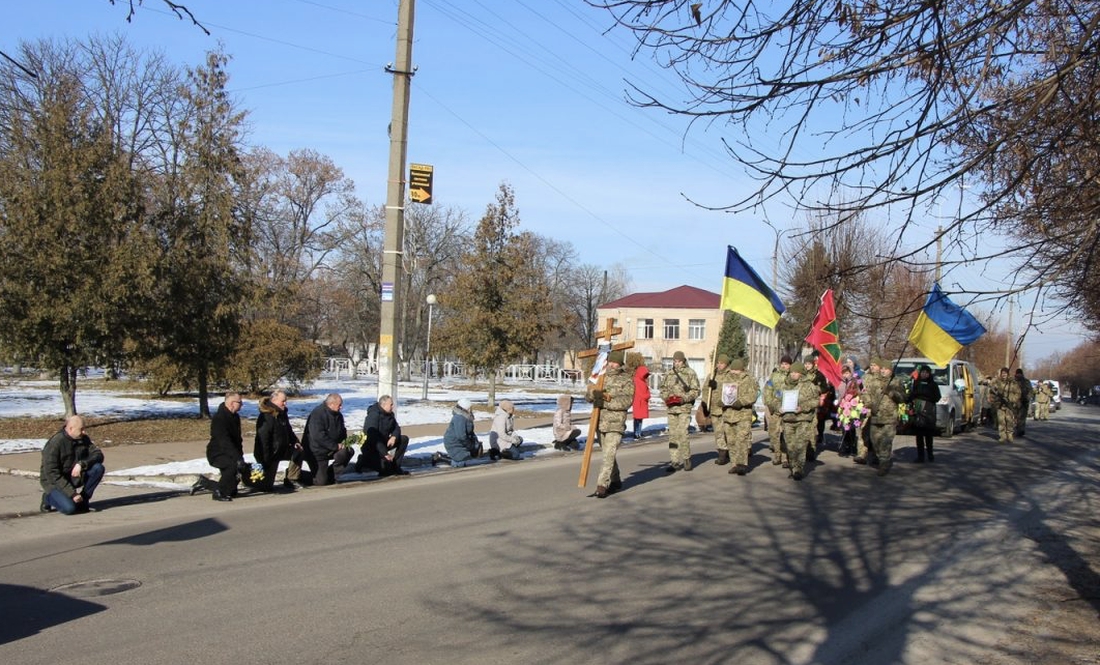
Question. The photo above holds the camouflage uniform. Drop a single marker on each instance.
(1004, 396)
(714, 407)
(618, 396)
(771, 404)
(864, 450)
(1043, 397)
(883, 400)
(682, 382)
(1025, 402)
(737, 418)
(798, 427)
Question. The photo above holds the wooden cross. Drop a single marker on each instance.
(594, 420)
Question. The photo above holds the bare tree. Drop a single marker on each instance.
(850, 107)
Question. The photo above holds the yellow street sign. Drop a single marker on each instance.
(420, 183)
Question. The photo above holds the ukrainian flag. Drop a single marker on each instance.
(943, 328)
(745, 293)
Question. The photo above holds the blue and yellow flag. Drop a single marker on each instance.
(943, 328)
(745, 293)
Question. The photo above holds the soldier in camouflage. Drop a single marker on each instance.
(1025, 401)
(1044, 394)
(713, 399)
(883, 399)
(613, 401)
(798, 425)
(1004, 397)
(679, 390)
(871, 378)
(771, 405)
(739, 393)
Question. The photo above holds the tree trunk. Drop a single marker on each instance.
(68, 389)
(204, 399)
(492, 389)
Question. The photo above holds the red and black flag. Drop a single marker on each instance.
(825, 338)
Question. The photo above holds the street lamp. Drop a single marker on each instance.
(428, 346)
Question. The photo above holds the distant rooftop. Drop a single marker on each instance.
(681, 297)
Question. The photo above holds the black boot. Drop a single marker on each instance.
(723, 457)
(931, 456)
(920, 453)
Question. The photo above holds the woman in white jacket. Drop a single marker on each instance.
(503, 433)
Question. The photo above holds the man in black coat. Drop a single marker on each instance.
(385, 446)
(275, 439)
(224, 451)
(324, 434)
(72, 467)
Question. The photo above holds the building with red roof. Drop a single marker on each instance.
(686, 319)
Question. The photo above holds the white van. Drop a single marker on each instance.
(962, 398)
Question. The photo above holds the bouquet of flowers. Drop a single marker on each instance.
(851, 412)
(356, 439)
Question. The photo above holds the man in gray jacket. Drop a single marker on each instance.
(72, 467)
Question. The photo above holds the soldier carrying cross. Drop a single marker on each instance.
(612, 394)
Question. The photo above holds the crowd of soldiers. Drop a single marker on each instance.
(798, 400)
(797, 396)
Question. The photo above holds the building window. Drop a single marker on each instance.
(672, 328)
(697, 329)
(645, 329)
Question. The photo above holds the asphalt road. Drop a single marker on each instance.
(990, 555)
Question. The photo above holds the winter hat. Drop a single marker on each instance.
(679, 355)
(738, 363)
(723, 358)
(465, 404)
(616, 357)
(508, 406)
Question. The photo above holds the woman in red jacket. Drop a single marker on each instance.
(641, 398)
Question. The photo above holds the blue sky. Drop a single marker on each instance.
(525, 91)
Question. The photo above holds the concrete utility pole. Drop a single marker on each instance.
(402, 71)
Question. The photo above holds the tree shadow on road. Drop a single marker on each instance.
(27, 611)
(934, 561)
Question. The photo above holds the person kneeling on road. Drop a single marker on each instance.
(504, 431)
(385, 445)
(72, 467)
(324, 437)
(224, 451)
(565, 435)
(459, 440)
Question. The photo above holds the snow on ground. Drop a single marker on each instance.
(42, 399)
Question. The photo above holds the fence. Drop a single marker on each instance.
(340, 368)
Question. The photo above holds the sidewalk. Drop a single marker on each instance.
(20, 492)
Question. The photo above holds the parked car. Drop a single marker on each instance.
(962, 397)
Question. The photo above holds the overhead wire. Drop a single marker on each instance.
(522, 51)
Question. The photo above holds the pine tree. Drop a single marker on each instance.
(499, 304)
(201, 278)
(75, 258)
(731, 337)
